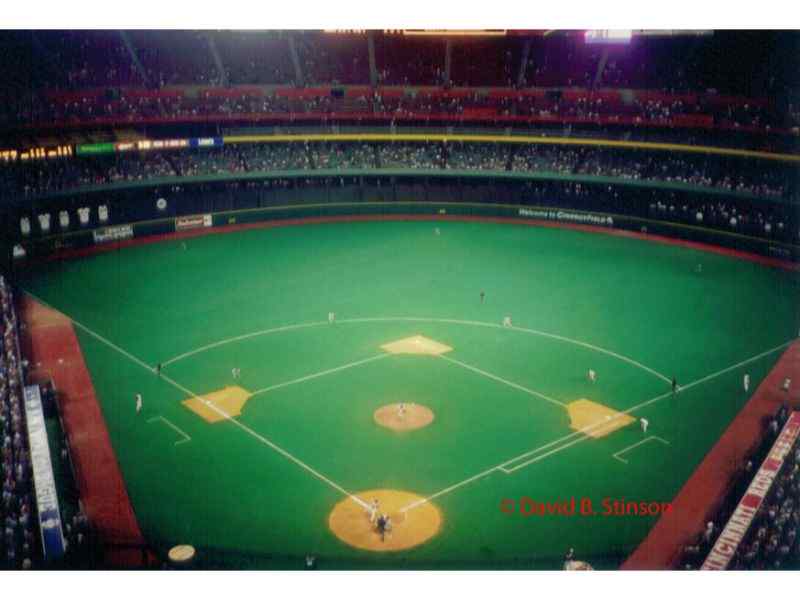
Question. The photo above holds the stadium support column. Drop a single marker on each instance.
(212, 46)
(448, 53)
(134, 57)
(523, 65)
(298, 72)
(373, 71)
(601, 66)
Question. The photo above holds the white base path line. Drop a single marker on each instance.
(501, 380)
(266, 441)
(618, 455)
(527, 463)
(188, 392)
(174, 427)
(582, 431)
(420, 320)
(320, 374)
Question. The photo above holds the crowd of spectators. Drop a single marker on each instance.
(771, 542)
(79, 61)
(765, 179)
(17, 545)
(772, 222)
(221, 161)
(414, 156)
(175, 57)
(251, 57)
(341, 59)
(275, 157)
(404, 61)
(127, 106)
(477, 157)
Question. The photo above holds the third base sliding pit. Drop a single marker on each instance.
(354, 524)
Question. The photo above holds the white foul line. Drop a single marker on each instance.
(174, 427)
(501, 380)
(617, 455)
(501, 466)
(265, 441)
(320, 374)
(474, 477)
(241, 426)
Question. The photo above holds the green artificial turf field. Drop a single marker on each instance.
(257, 491)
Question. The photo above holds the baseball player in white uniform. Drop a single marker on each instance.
(746, 382)
(331, 317)
(138, 403)
(592, 375)
(373, 511)
(506, 321)
(644, 423)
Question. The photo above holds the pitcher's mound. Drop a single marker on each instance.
(350, 521)
(407, 418)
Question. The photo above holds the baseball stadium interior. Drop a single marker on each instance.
(400, 299)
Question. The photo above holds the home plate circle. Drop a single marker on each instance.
(350, 520)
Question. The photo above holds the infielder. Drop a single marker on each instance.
(235, 372)
(401, 412)
(138, 403)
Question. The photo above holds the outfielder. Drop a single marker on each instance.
(506, 321)
(746, 382)
(331, 317)
(235, 371)
(138, 403)
(645, 423)
(592, 375)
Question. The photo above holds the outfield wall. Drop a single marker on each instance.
(777, 253)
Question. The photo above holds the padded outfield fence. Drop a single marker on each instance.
(58, 244)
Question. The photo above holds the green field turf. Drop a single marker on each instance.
(242, 503)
